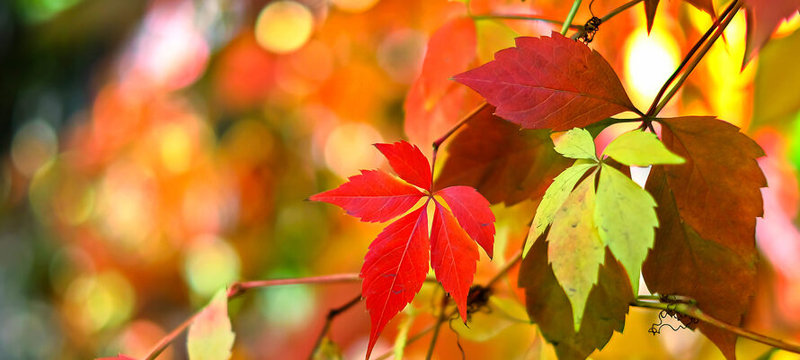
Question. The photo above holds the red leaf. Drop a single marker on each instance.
(408, 162)
(763, 17)
(472, 211)
(435, 103)
(453, 257)
(504, 163)
(373, 196)
(394, 269)
(549, 82)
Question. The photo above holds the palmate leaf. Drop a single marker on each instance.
(549, 82)
(397, 261)
(707, 209)
(503, 162)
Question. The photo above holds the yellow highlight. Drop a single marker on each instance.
(284, 26)
(349, 149)
(175, 148)
(649, 61)
(354, 6)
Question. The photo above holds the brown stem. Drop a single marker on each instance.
(689, 55)
(239, 288)
(438, 142)
(736, 5)
(521, 17)
(442, 318)
(332, 314)
(693, 311)
(166, 340)
(509, 265)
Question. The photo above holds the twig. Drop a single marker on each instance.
(439, 141)
(166, 340)
(736, 5)
(574, 10)
(239, 288)
(442, 318)
(610, 15)
(521, 17)
(651, 111)
(411, 340)
(332, 314)
(693, 311)
(509, 265)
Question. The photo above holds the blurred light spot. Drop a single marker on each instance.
(127, 205)
(101, 301)
(354, 6)
(73, 200)
(202, 206)
(302, 72)
(287, 307)
(34, 144)
(348, 148)
(284, 26)
(67, 264)
(730, 93)
(400, 54)
(649, 61)
(42, 10)
(138, 338)
(210, 264)
(27, 332)
(175, 148)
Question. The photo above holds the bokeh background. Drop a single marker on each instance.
(153, 152)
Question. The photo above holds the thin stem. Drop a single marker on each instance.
(239, 288)
(332, 314)
(611, 14)
(693, 311)
(701, 53)
(439, 141)
(509, 265)
(166, 340)
(689, 55)
(521, 17)
(442, 318)
(574, 10)
(410, 340)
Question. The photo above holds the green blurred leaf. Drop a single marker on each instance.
(328, 350)
(485, 325)
(577, 144)
(552, 200)
(639, 148)
(402, 332)
(775, 95)
(575, 249)
(625, 216)
(210, 336)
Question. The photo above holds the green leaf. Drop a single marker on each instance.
(639, 148)
(552, 200)
(327, 350)
(210, 336)
(402, 332)
(575, 249)
(577, 144)
(625, 216)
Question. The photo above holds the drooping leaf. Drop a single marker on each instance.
(373, 196)
(549, 82)
(639, 148)
(763, 17)
(575, 249)
(453, 257)
(718, 188)
(408, 163)
(707, 209)
(210, 336)
(394, 269)
(435, 103)
(552, 200)
(549, 307)
(504, 163)
(650, 7)
(775, 96)
(625, 216)
(576, 144)
(472, 211)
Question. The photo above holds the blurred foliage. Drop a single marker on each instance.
(154, 151)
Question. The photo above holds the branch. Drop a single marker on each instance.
(731, 13)
(442, 318)
(652, 110)
(521, 17)
(439, 141)
(411, 340)
(332, 314)
(239, 288)
(691, 310)
(574, 10)
(610, 15)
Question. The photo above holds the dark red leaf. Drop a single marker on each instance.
(472, 211)
(435, 103)
(373, 196)
(549, 307)
(707, 209)
(453, 257)
(408, 162)
(394, 269)
(549, 82)
(504, 163)
(763, 17)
